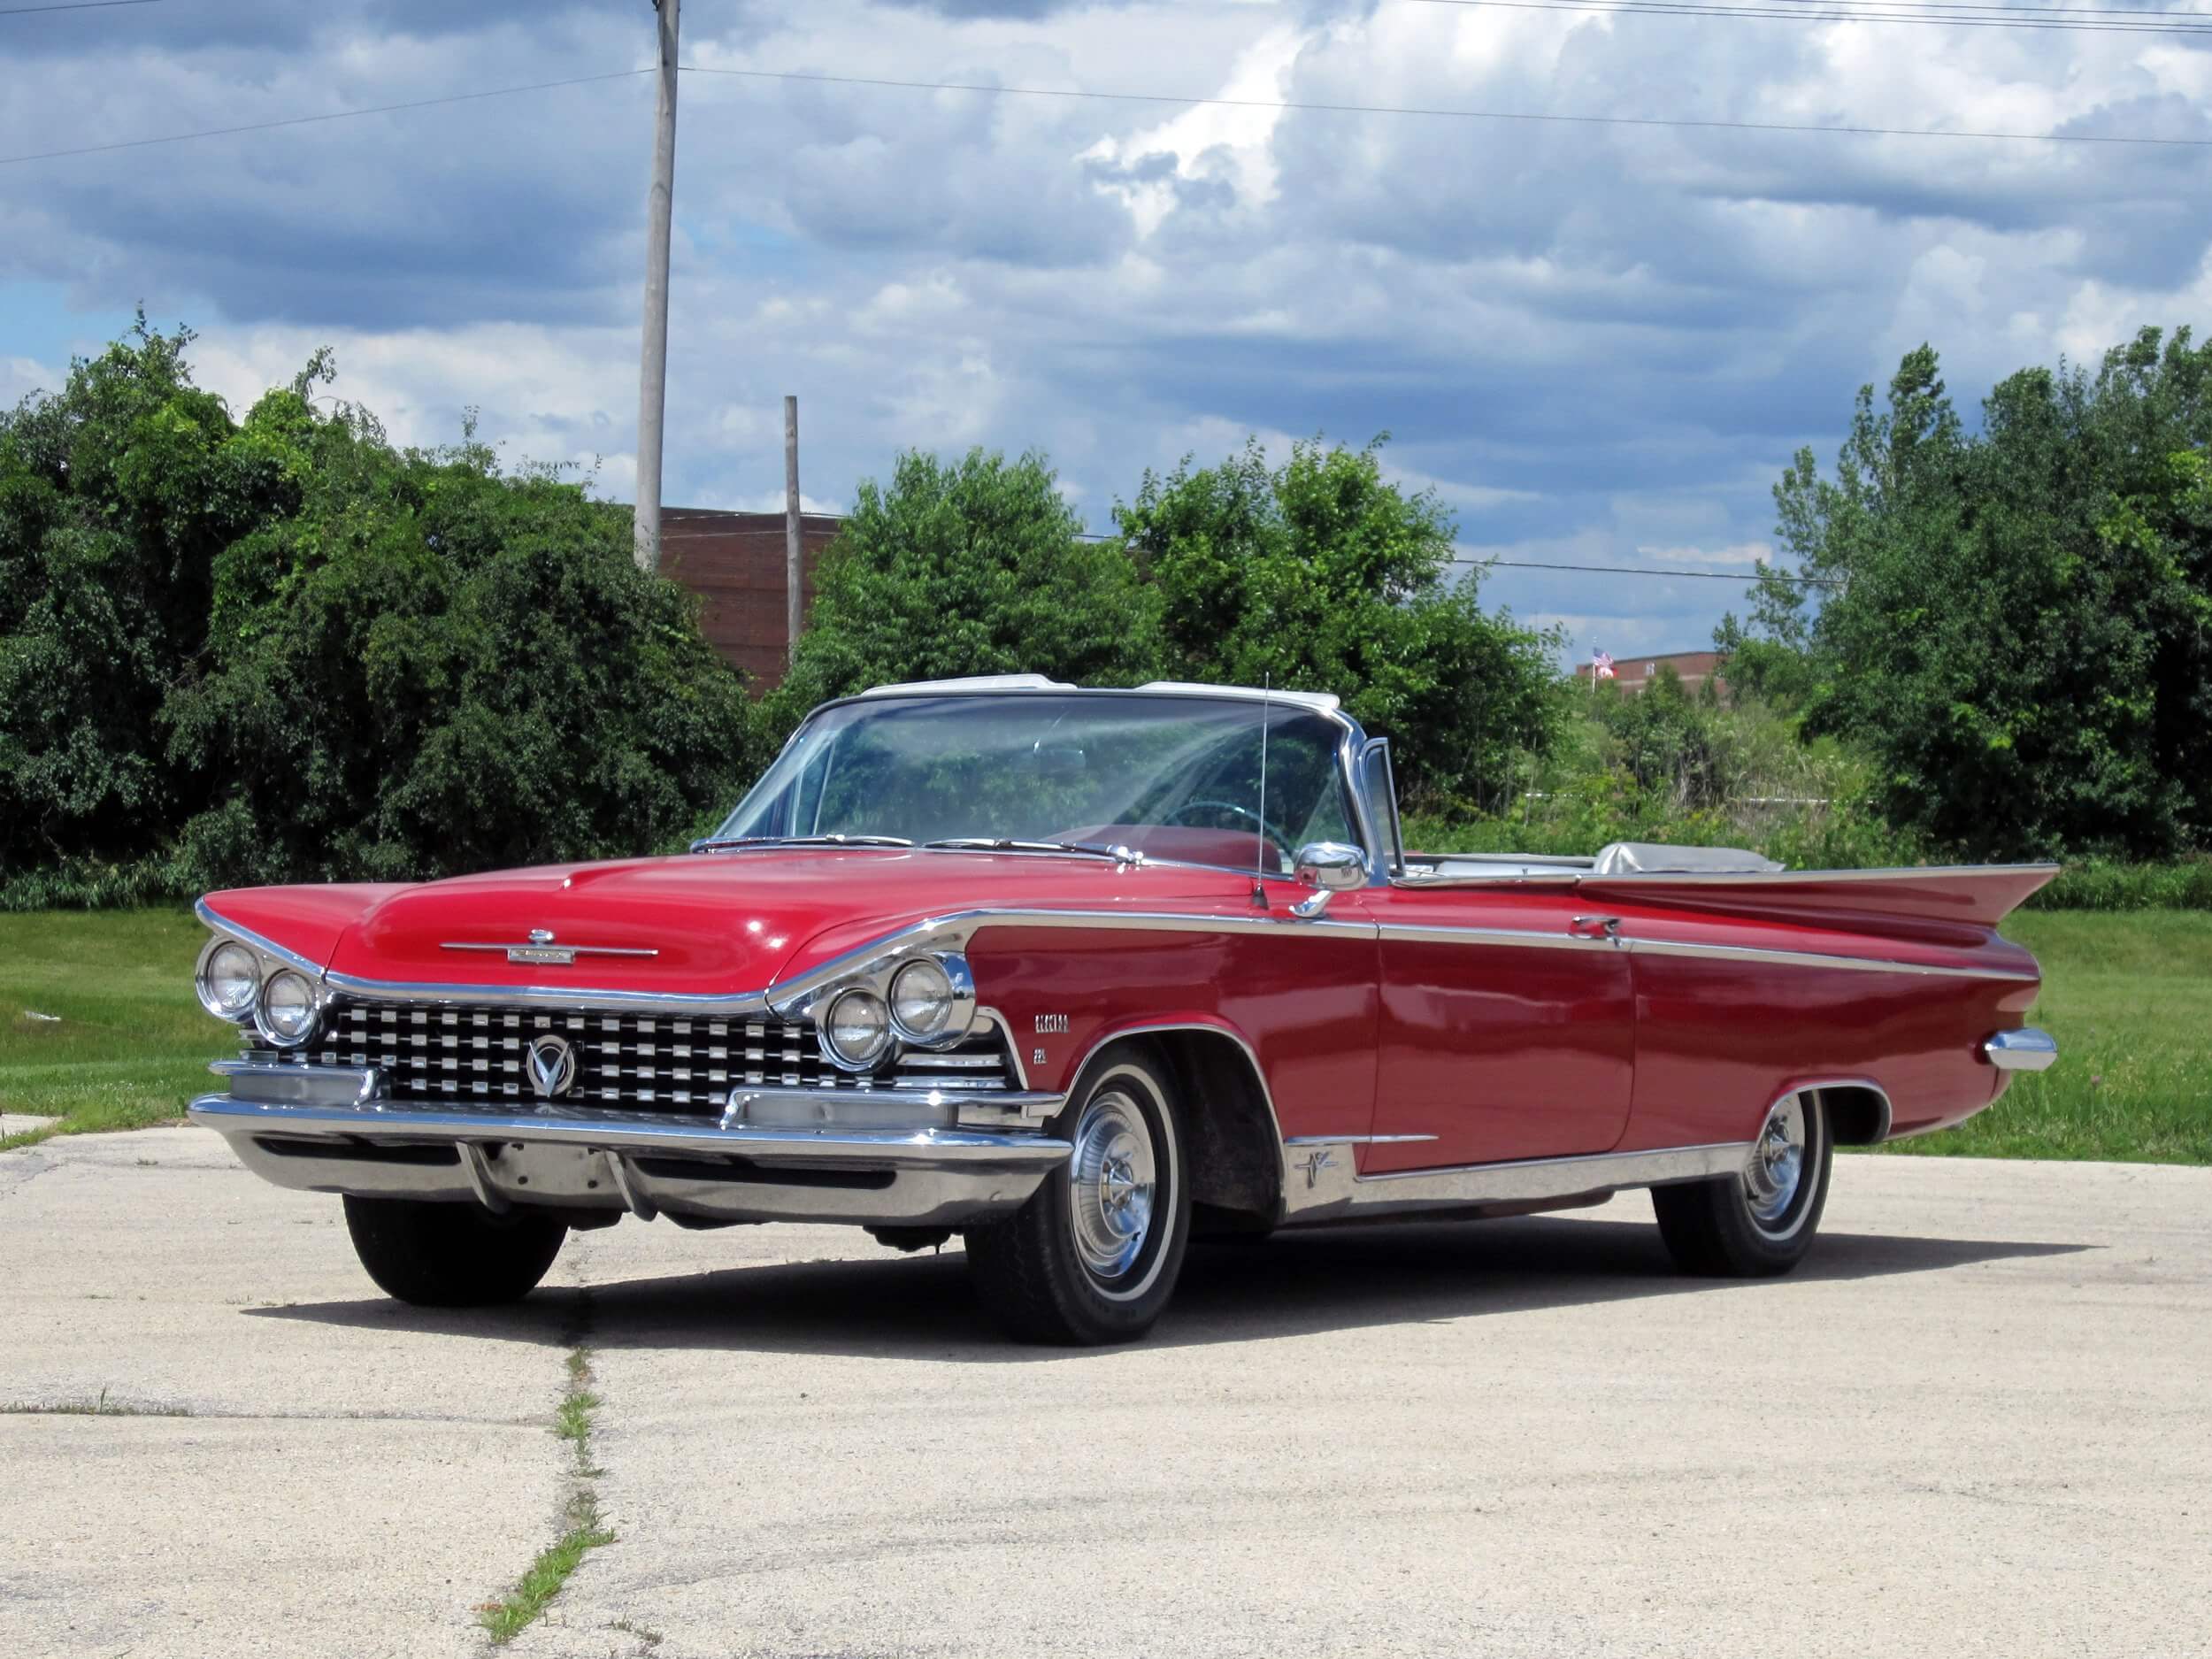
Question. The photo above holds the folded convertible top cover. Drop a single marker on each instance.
(1651, 858)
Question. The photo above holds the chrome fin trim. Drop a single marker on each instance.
(1825, 959)
(955, 930)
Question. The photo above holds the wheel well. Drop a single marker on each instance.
(1858, 1113)
(1235, 1151)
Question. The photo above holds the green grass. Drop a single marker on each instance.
(98, 1023)
(2128, 995)
(583, 1528)
(507, 1619)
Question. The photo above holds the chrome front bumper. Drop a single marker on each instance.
(873, 1158)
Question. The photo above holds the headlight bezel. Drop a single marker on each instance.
(959, 1000)
(203, 972)
(265, 1019)
(887, 1035)
(880, 980)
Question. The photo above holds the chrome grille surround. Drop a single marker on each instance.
(646, 1062)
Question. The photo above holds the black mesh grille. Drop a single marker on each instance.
(648, 1062)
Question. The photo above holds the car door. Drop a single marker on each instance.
(1507, 1030)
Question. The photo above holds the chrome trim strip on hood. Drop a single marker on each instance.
(212, 918)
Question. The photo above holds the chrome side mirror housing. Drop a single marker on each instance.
(1332, 866)
(1328, 867)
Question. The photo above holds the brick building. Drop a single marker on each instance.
(735, 561)
(1635, 672)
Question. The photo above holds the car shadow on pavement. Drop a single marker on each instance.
(1297, 1284)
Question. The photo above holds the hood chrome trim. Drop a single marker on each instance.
(211, 918)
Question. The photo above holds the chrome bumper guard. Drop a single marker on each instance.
(2027, 1049)
(879, 1157)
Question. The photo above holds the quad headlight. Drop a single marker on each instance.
(856, 1029)
(921, 1002)
(287, 1013)
(229, 980)
(922, 996)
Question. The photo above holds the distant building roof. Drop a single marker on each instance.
(1634, 673)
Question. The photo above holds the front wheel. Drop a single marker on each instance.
(1094, 1254)
(450, 1255)
(1759, 1221)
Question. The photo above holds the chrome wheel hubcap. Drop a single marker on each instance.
(1111, 1181)
(1776, 1168)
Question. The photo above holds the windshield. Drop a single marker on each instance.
(1175, 778)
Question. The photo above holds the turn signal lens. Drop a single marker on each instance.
(857, 1030)
(921, 999)
(230, 978)
(287, 1016)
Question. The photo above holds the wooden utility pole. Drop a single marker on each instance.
(793, 606)
(652, 397)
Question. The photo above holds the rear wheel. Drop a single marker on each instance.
(1094, 1254)
(450, 1255)
(1761, 1220)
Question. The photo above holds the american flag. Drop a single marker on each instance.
(1600, 665)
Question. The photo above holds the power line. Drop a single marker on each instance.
(74, 5)
(335, 115)
(1456, 114)
(1834, 11)
(1646, 570)
(1461, 558)
(2032, 7)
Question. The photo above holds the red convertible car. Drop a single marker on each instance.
(1076, 974)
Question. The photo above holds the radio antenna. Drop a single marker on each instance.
(1259, 818)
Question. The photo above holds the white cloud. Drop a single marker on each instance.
(20, 377)
(1596, 344)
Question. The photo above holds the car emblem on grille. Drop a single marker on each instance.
(551, 1064)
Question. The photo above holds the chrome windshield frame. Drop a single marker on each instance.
(1351, 746)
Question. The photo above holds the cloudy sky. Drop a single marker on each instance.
(1599, 344)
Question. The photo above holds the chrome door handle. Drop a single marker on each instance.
(1595, 927)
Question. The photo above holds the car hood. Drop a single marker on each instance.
(717, 923)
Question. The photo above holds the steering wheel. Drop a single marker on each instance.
(1267, 831)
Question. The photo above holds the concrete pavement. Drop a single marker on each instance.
(241, 1482)
(1976, 1423)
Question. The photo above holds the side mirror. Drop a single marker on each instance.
(1332, 866)
(1328, 867)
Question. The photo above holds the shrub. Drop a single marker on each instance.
(976, 566)
(282, 650)
(1320, 574)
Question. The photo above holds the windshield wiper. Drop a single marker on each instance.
(713, 845)
(1118, 853)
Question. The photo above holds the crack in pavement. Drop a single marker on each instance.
(583, 1526)
(125, 1408)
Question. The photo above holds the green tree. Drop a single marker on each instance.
(1320, 574)
(116, 494)
(976, 566)
(2021, 630)
(282, 649)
